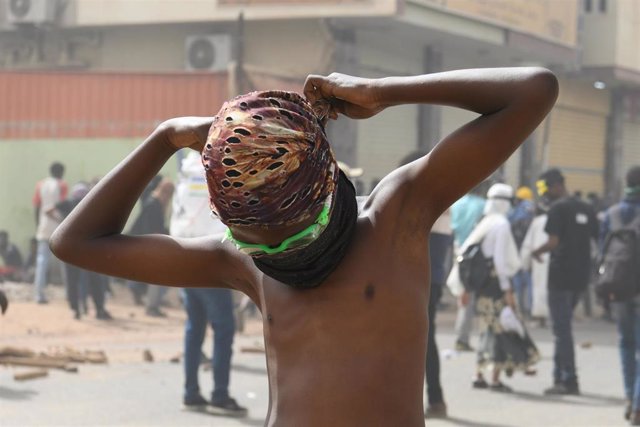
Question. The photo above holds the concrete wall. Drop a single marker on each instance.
(627, 49)
(117, 12)
(293, 48)
(600, 36)
(146, 48)
(611, 38)
(290, 48)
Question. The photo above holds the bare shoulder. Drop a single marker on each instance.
(389, 205)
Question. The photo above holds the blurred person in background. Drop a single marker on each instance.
(520, 218)
(498, 349)
(343, 295)
(467, 212)
(12, 258)
(626, 308)
(49, 192)
(465, 215)
(536, 237)
(4, 302)
(440, 250)
(571, 226)
(204, 306)
(440, 246)
(30, 262)
(148, 221)
(155, 210)
(78, 281)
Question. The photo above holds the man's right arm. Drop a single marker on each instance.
(553, 228)
(91, 236)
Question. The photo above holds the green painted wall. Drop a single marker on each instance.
(24, 162)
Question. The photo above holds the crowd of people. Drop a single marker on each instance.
(515, 257)
(539, 247)
(53, 202)
(539, 257)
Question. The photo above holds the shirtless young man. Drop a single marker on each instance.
(346, 335)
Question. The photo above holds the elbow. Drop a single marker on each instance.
(61, 245)
(544, 85)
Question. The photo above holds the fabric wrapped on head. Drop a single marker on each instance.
(267, 160)
(499, 199)
(500, 191)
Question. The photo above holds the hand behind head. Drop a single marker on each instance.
(354, 97)
(187, 132)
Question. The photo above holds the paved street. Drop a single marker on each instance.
(149, 393)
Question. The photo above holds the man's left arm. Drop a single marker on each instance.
(510, 103)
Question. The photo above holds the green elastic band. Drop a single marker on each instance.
(323, 219)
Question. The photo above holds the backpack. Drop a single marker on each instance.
(619, 266)
(474, 268)
(520, 222)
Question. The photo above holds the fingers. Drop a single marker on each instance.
(203, 127)
(316, 87)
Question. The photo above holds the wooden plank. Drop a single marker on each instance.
(30, 374)
(38, 362)
(15, 351)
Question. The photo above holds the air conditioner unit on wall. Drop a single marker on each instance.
(207, 52)
(31, 11)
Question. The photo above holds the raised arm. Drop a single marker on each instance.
(511, 103)
(91, 236)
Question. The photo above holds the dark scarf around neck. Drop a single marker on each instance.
(308, 266)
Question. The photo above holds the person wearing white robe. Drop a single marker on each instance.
(536, 237)
(499, 349)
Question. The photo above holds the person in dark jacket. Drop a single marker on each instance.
(12, 258)
(80, 282)
(627, 312)
(151, 220)
(571, 225)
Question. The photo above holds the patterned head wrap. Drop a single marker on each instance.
(267, 160)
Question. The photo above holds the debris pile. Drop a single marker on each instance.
(65, 359)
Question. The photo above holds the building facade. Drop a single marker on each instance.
(96, 76)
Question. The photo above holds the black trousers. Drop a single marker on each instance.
(96, 285)
(434, 390)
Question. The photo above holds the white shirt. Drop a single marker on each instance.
(443, 224)
(50, 195)
(191, 215)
